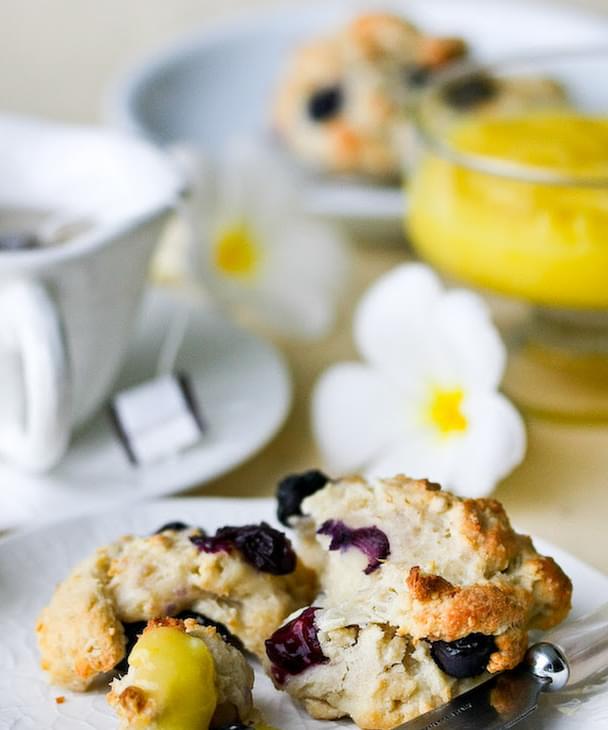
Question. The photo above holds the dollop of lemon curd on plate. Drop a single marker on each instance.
(547, 243)
(177, 673)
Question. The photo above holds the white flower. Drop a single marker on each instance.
(425, 402)
(255, 251)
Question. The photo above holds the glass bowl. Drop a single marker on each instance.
(508, 192)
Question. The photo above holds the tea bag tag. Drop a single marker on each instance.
(157, 419)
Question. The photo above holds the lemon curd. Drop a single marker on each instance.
(177, 673)
(547, 243)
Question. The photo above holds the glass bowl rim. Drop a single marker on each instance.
(515, 171)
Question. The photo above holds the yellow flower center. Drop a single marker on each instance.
(445, 411)
(236, 252)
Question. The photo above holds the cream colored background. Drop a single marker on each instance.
(56, 59)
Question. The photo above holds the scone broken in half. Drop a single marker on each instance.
(248, 579)
(421, 593)
(182, 676)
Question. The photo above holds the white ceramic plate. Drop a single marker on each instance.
(218, 84)
(32, 563)
(241, 383)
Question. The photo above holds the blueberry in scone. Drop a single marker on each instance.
(183, 675)
(172, 526)
(295, 646)
(466, 657)
(261, 545)
(479, 93)
(371, 541)
(96, 613)
(293, 490)
(338, 105)
(421, 592)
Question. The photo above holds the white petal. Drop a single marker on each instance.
(494, 445)
(252, 178)
(294, 311)
(469, 350)
(312, 253)
(416, 456)
(305, 278)
(354, 416)
(389, 323)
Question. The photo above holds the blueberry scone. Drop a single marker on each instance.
(340, 100)
(421, 592)
(243, 580)
(183, 675)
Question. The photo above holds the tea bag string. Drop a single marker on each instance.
(173, 340)
(188, 163)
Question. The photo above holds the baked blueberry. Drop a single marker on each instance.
(294, 489)
(175, 526)
(371, 541)
(221, 629)
(417, 75)
(262, 546)
(212, 544)
(466, 657)
(295, 646)
(132, 633)
(325, 103)
(468, 92)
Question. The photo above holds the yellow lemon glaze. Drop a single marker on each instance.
(178, 674)
(545, 243)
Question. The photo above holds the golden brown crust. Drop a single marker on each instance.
(486, 525)
(133, 704)
(165, 622)
(552, 591)
(79, 634)
(512, 646)
(436, 52)
(424, 587)
(447, 612)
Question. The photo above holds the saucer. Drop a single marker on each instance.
(244, 391)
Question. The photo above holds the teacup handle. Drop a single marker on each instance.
(32, 328)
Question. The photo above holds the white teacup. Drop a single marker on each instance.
(67, 310)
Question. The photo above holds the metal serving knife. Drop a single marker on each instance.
(566, 656)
